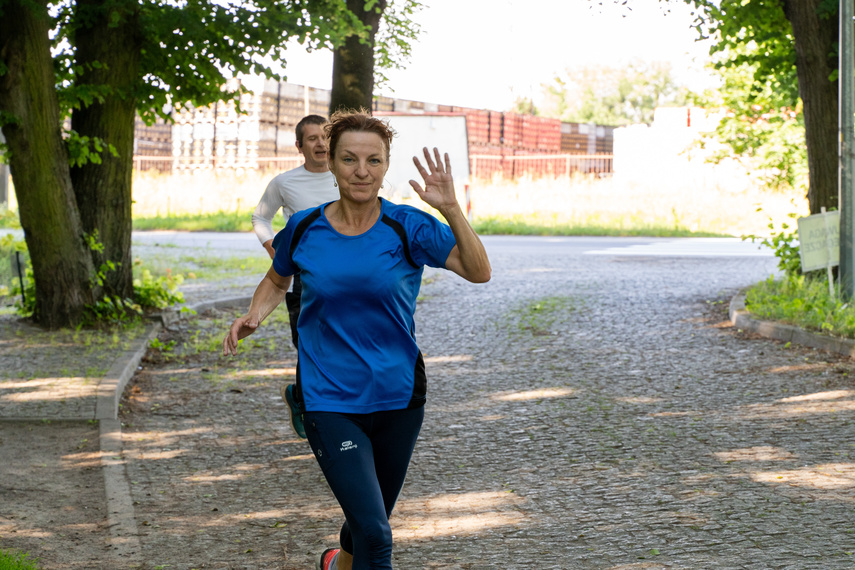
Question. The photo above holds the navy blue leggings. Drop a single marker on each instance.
(364, 458)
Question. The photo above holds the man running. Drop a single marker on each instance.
(306, 186)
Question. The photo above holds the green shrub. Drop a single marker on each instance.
(10, 560)
(150, 293)
(784, 244)
(802, 300)
(9, 219)
(14, 255)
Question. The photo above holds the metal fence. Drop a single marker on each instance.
(486, 167)
(481, 166)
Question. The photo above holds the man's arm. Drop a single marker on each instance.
(262, 218)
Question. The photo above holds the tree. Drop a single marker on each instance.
(761, 127)
(99, 63)
(790, 46)
(524, 106)
(611, 95)
(359, 61)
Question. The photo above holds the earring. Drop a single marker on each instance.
(335, 184)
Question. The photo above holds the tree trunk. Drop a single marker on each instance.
(353, 62)
(815, 39)
(108, 34)
(62, 265)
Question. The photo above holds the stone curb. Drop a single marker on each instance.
(113, 383)
(742, 319)
(121, 519)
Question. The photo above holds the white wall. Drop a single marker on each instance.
(665, 153)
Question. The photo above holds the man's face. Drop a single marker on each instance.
(314, 148)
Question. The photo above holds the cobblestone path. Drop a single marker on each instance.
(585, 411)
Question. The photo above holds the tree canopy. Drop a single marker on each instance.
(99, 64)
(778, 59)
(610, 95)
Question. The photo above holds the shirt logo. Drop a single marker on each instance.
(348, 445)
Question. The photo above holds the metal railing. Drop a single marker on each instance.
(486, 166)
(482, 166)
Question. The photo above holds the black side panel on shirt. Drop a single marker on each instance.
(298, 391)
(399, 229)
(419, 384)
(300, 230)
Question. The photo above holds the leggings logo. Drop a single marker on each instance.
(348, 445)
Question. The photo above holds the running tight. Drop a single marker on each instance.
(364, 458)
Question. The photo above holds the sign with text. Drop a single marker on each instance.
(819, 241)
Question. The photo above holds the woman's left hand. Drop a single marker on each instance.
(439, 184)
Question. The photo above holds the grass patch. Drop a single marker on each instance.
(92, 351)
(10, 560)
(546, 225)
(204, 266)
(216, 221)
(539, 315)
(530, 224)
(217, 268)
(803, 301)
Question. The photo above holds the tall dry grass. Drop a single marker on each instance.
(626, 204)
(199, 192)
(697, 204)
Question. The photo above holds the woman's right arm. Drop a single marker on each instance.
(267, 297)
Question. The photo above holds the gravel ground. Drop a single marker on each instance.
(584, 411)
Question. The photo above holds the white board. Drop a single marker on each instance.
(819, 240)
(414, 132)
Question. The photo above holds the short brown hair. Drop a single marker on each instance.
(349, 120)
(308, 120)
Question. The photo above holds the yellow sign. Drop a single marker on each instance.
(819, 241)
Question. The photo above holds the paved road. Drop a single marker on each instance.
(627, 427)
(588, 408)
(231, 243)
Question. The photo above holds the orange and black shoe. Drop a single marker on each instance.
(325, 563)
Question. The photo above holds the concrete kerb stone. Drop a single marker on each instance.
(124, 534)
(741, 318)
(113, 383)
(229, 302)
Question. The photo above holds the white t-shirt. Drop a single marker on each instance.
(291, 191)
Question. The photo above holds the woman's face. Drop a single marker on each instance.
(359, 165)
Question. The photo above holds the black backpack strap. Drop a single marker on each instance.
(402, 234)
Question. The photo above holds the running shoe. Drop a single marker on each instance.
(287, 393)
(326, 558)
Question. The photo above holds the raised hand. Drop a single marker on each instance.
(438, 191)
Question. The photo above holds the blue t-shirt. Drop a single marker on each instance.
(357, 348)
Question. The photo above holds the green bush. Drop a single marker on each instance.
(802, 300)
(13, 255)
(9, 219)
(150, 293)
(784, 244)
(10, 560)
